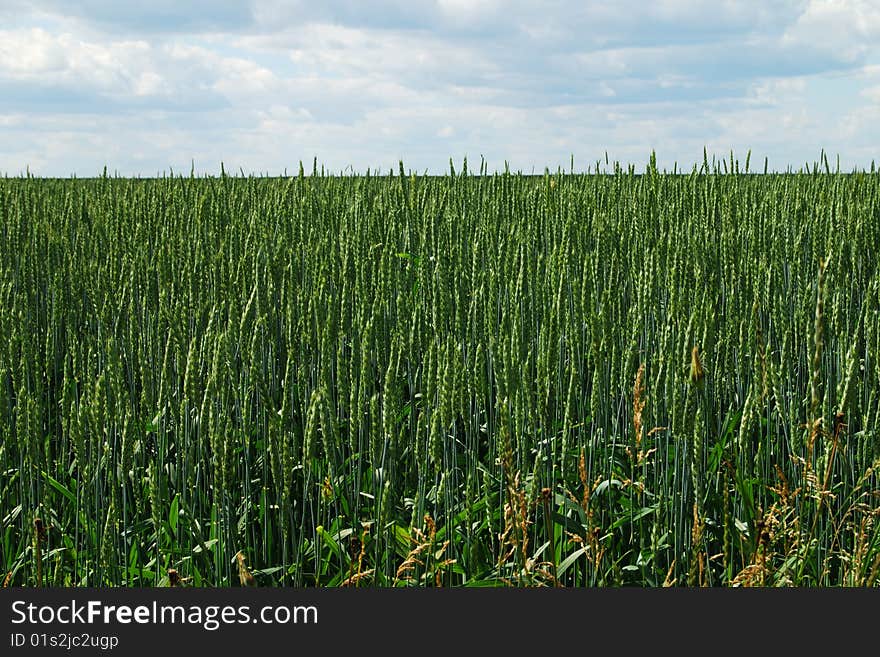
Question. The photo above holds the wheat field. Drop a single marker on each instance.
(608, 378)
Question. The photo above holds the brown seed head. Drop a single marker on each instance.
(40, 529)
(697, 371)
(244, 574)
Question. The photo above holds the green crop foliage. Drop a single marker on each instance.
(602, 379)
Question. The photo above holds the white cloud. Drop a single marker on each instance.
(336, 50)
(10, 120)
(872, 94)
(30, 52)
(843, 28)
(778, 91)
(35, 55)
(468, 12)
(149, 83)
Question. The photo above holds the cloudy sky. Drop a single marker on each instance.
(261, 85)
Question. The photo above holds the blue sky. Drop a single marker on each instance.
(263, 85)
